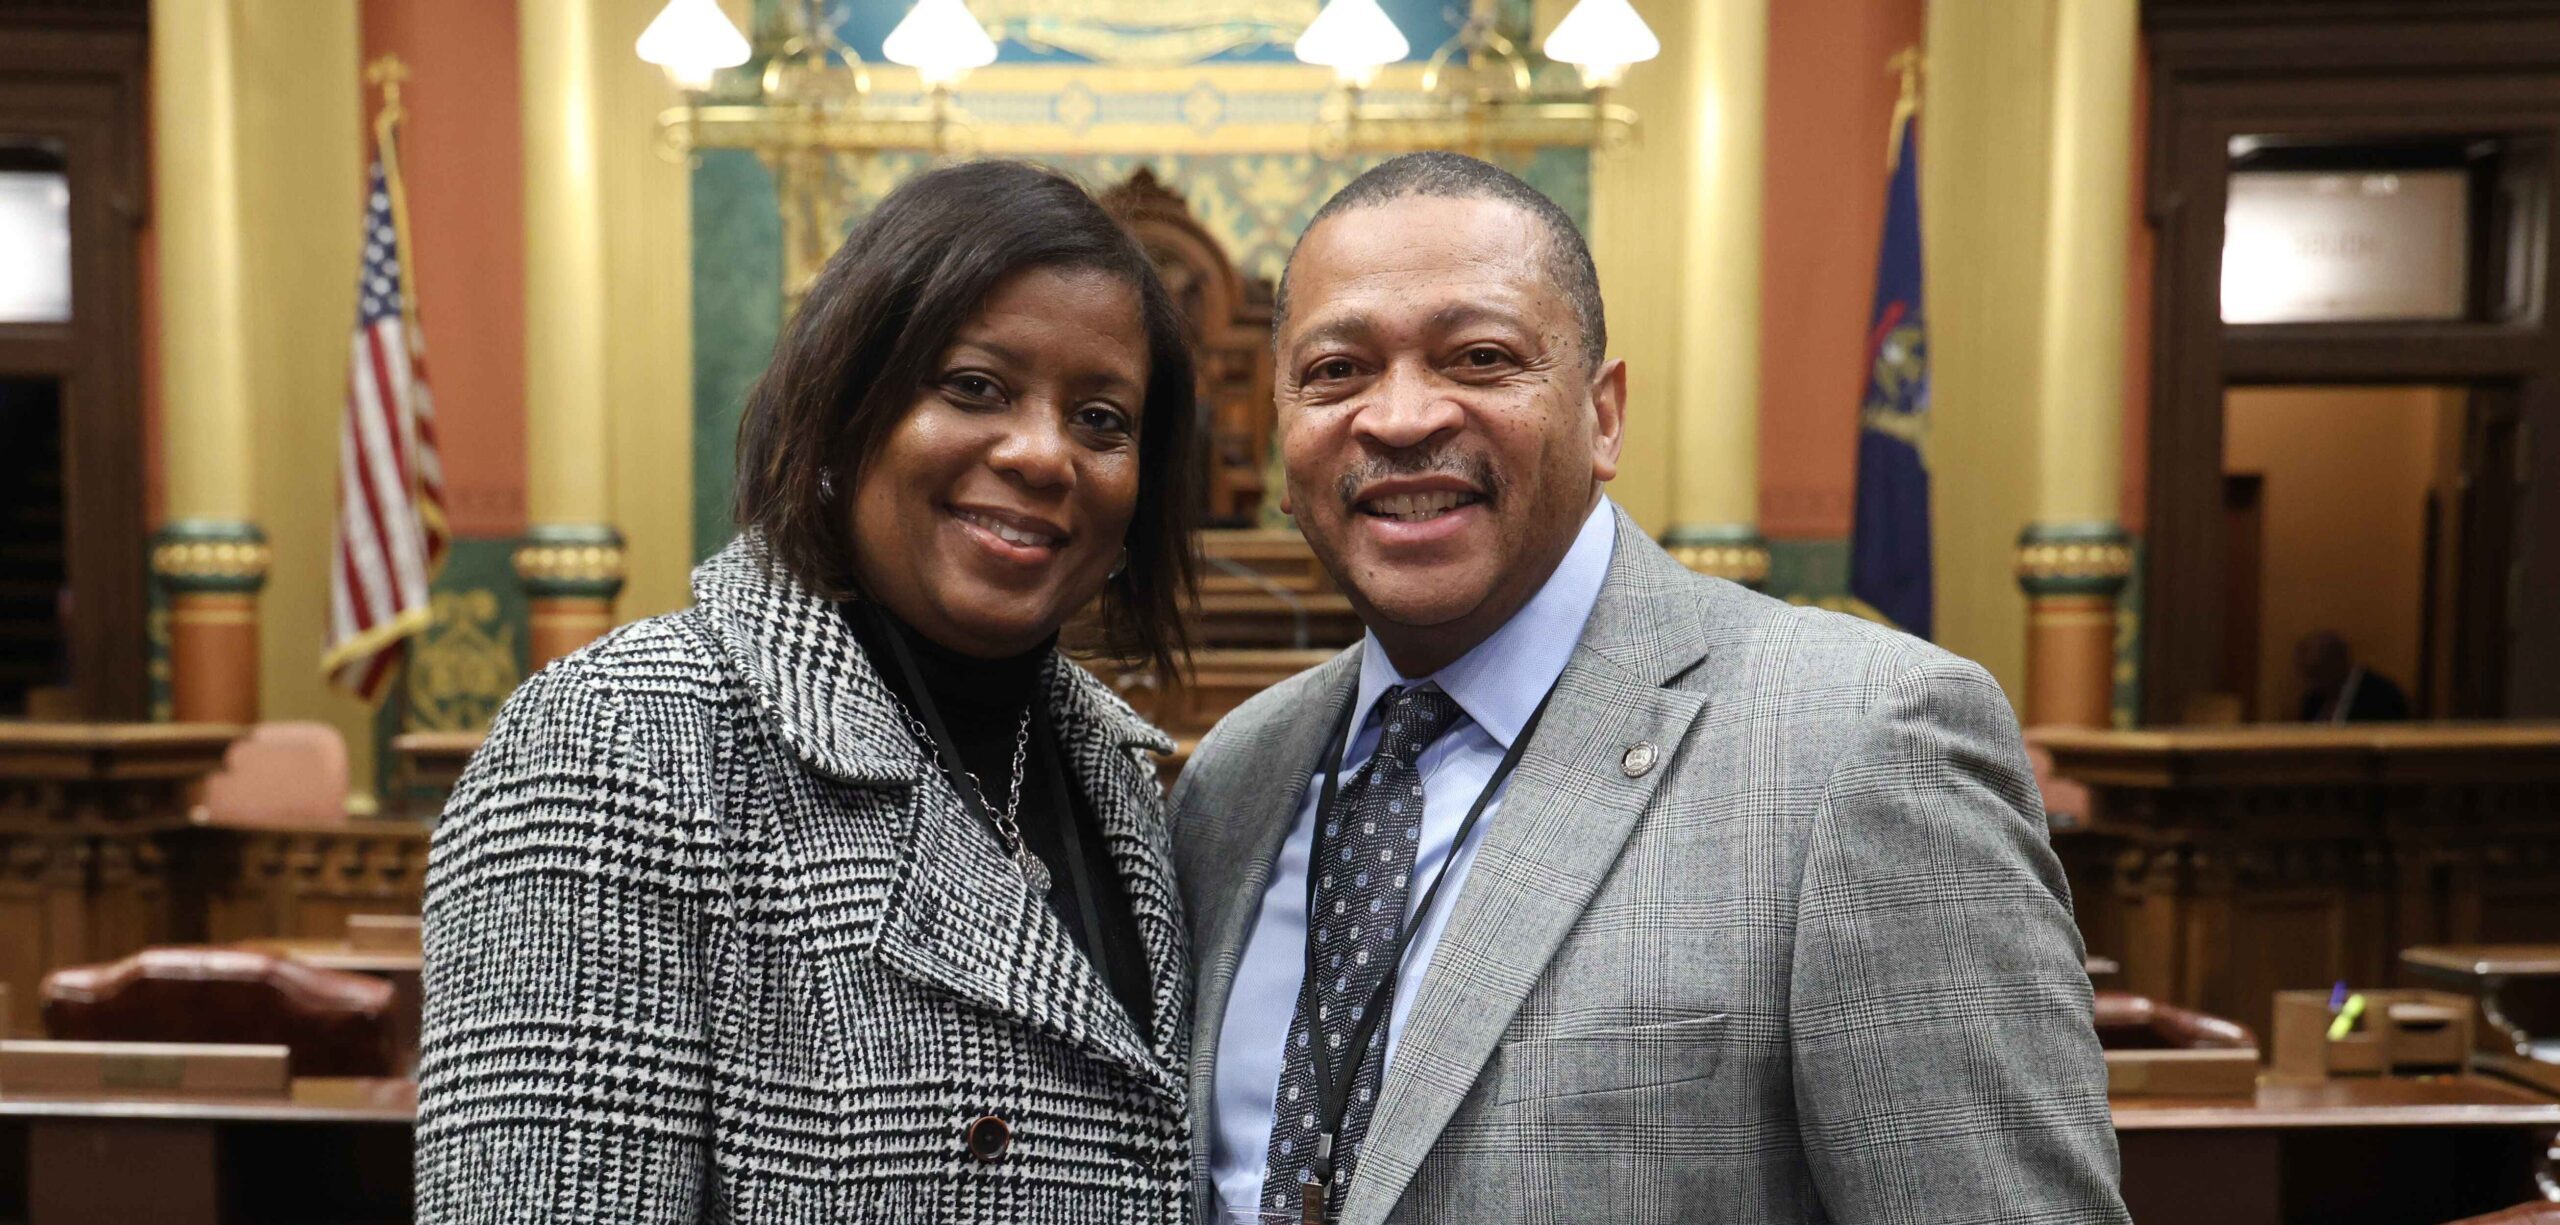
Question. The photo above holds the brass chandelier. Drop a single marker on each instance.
(1479, 89)
(800, 98)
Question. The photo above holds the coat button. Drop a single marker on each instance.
(988, 1138)
(1639, 759)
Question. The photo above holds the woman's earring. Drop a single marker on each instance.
(826, 483)
(1123, 567)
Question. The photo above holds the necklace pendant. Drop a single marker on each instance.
(1034, 872)
(1311, 1203)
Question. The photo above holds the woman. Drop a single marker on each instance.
(840, 896)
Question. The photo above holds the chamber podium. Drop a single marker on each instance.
(102, 854)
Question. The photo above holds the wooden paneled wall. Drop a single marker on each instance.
(2220, 866)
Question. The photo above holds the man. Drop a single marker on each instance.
(1755, 920)
(2338, 688)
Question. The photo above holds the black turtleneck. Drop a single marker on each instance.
(981, 702)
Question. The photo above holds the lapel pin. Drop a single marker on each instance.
(1639, 759)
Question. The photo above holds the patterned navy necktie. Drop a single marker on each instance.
(1369, 842)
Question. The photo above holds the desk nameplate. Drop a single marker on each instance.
(143, 1069)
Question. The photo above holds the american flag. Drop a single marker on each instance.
(391, 525)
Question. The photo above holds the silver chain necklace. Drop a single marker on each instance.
(1008, 825)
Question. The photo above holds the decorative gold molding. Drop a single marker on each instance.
(212, 560)
(2075, 560)
(1747, 564)
(569, 565)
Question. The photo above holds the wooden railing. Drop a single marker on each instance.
(2220, 865)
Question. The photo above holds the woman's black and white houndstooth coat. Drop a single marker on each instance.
(707, 941)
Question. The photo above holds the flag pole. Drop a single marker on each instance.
(388, 72)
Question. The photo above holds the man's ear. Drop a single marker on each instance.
(1609, 410)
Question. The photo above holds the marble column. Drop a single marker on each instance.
(2074, 557)
(572, 559)
(210, 556)
(1715, 487)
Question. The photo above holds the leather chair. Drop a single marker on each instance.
(2129, 1022)
(281, 774)
(336, 1023)
(2535, 1213)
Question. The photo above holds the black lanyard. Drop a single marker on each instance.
(964, 785)
(1333, 1096)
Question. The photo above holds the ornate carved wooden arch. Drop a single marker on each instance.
(1230, 321)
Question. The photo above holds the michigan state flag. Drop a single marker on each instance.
(1889, 536)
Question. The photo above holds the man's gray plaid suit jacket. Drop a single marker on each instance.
(1815, 964)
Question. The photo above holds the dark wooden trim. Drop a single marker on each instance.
(2533, 648)
(2337, 68)
(36, 349)
(2381, 352)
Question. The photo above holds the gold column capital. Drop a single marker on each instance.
(2074, 559)
(202, 556)
(1731, 552)
(571, 561)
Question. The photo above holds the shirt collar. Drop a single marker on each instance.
(1500, 682)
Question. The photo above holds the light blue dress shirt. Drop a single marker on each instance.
(1497, 686)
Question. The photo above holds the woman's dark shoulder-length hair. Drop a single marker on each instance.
(871, 333)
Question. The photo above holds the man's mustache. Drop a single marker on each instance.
(1473, 468)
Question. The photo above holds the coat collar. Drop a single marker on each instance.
(815, 685)
(1001, 947)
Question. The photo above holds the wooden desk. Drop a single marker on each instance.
(2414, 1151)
(336, 1150)
(2222, 865)
(2489, 971)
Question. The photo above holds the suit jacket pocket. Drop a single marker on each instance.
(1608, 1060)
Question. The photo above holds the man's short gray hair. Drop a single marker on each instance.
(1455, 176)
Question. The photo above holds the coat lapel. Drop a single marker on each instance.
(1231, 866)
(957, 914)
(1565, 816)
(1099, 734)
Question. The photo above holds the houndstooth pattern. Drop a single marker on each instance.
(1360, 893)
(707, 941)
(1812, 960)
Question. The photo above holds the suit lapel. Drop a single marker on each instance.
(957, 914)
(1232, 863)
(1565, 816)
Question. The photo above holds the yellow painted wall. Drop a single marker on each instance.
(1984, 129)
(302, 149)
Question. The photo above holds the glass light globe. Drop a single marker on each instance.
(941, 41)
(1602, 37)
(1354, 38)
(691, 39)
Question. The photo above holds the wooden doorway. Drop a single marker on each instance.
(2459, 91)
(72, 597)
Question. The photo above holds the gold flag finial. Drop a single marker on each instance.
(1909, 64)
(387, 72)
